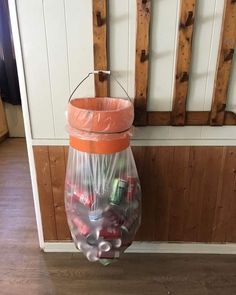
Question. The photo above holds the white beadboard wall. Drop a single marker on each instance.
(57, 45)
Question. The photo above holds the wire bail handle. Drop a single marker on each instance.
(97, 72)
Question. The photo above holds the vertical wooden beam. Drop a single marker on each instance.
(100, 40)
(225, 57)
(142, 61)
(42, 164)
(184, 52)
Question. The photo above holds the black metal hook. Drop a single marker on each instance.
(184, 77)
(102, 76)
(144, 56)
(100, 21)
(229, 55)
(189, 20)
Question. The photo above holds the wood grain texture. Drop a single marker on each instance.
(184, 52)
(142, 61)
(58, 167)
(188, 192)
(201, 191)
(100, 40)
(193, 118)
(225, 57)
(44, 181)
(225, 214)
(178, 184)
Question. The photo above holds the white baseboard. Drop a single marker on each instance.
(155, 247)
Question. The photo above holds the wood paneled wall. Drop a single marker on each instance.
(189, 193)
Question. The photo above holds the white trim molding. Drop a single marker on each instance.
(26, 116)
(155, 247)
(149, 142)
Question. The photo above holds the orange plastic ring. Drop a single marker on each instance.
(100, 147)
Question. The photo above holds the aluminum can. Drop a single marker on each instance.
(119, 190)
(132, 183)
(104, 246)
(110, 233)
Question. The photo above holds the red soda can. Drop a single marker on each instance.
(84, 198)
(110, 233)
(82, 227)
(132, 183)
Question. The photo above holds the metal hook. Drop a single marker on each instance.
(144, 56)
(100, 21)
(184, 77)
(229, 55)
(102, 76)
(189, 21)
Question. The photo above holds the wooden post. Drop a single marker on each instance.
(184, 53)
(225, 57)
(142, 61)
(100, 37)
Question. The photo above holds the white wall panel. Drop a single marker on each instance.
(201, 50)
(122, 28)
(56, 38)
(34, 47)
(163, 37)
(119, 45)
(79, 26)
(231, 103)
(219, 8)
(132, 42)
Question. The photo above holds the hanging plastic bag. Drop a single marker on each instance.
(102, 189)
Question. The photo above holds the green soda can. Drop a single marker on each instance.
(119, 190)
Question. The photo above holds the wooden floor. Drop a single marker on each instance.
(26, 270)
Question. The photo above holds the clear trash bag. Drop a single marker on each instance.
(103, 202)
(102, 188)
